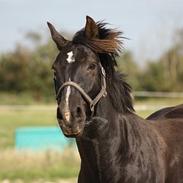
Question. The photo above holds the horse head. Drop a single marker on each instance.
(80, 72)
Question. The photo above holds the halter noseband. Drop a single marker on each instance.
(92, 102)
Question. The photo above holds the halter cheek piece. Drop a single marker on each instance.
(91, 102)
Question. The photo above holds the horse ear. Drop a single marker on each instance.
(57, 38)
(91, 28)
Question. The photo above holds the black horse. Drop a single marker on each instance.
(95, 107)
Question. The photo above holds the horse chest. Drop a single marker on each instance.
(112, 169)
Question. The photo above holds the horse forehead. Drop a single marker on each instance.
(77, 54)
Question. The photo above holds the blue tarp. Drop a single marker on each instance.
(41, 138)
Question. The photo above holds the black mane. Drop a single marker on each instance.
(108, 46)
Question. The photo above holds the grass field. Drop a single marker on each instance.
(44, 166)
(13, 117)
(23, 166)
(48, 165)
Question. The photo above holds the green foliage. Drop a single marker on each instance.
(25, 70)
(163, 74)
(154, 78)
(129, 67)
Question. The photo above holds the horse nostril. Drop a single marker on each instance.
(78, 111)
(59, 114)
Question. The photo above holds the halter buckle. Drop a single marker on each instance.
(105, 94)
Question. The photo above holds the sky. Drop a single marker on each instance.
(148, 23)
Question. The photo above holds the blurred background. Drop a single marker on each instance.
(32, 148)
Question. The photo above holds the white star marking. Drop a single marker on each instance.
(70, 57)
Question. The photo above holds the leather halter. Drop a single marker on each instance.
(91, 102)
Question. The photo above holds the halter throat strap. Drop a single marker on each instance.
(91, 102)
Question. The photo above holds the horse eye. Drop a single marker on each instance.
(91, 67)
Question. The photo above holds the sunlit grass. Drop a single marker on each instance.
(47, 165)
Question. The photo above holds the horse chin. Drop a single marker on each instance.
(70, 132)
(74, 135)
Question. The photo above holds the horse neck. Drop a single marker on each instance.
(113, 141)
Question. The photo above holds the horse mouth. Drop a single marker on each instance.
(69, 132)
(73, 135)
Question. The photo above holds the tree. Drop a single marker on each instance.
(128, 66)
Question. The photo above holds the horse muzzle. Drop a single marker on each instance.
(71, 121)
(68, 130)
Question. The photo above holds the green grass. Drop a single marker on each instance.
(12, 118)
(151, 105)
(29, 166)
(20, 98)
(159, 101)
